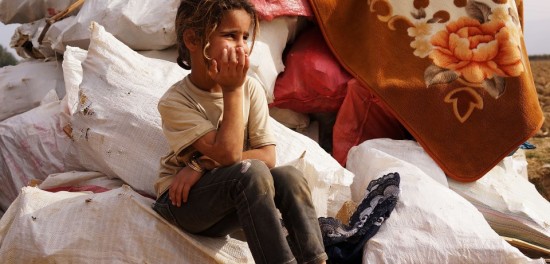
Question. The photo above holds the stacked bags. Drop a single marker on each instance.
(430, 223)
(104, 137)
(109, 114)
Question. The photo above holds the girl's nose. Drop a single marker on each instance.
(242, 43)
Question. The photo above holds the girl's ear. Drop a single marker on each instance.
(190, 39)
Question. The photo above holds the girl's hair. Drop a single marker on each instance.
(203, 17)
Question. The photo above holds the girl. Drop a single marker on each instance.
(219, 176)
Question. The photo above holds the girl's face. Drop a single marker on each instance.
(232, 32)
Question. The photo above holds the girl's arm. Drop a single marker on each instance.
(265, 154)
(225, 144)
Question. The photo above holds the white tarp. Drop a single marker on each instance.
(266, 60)
(26, 11)
(328, 180)
(32, 146)
(510, 203)
(116, 128)
(25, 41)
(122, 87)
(117, 226)
(23, 86)
(72, 74)
(80, 179)
(430, 223)
(140, 24)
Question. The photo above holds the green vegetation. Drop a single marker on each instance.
(6, 58)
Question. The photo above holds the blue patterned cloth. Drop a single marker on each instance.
(344, 243)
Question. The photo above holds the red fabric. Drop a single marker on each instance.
(86, 188)
(313, 80)
(270, 9)
(362, 117)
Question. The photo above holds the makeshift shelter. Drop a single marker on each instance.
(89, 142)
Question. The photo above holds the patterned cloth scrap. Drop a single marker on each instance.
(455, 73)
(344, 243)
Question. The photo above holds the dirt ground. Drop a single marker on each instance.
(539, 159)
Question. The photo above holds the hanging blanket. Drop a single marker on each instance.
(454, 72)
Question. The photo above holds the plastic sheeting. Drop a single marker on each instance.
(77, 179)
(25, 41)
(23, 86)
(266, 60)
(328, 181)
(430, 223)
(122, 87)
(32, 146)
(116, 128)
(406, 151)
(140, 24)
(72, 74)
(510, 203)
(26, 11)
(116, 226)
(294, 120)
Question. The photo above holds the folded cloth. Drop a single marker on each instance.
(455, 73)
(344, 243)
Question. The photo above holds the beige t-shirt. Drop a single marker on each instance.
(188, 113)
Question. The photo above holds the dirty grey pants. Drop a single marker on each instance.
(249, 195)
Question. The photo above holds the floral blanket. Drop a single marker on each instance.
(454, 72)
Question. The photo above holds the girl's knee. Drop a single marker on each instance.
(253, 166)
(288, 176)
(256, 174)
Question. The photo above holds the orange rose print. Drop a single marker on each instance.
(476, 51)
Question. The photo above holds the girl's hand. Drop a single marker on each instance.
(230, 71)
(208, 163)
(182, 183)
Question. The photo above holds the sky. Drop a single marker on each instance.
(536, 31)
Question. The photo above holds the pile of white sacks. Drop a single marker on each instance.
(83, 122)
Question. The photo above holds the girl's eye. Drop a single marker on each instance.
(245, 37)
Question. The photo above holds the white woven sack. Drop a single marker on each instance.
(32, 146)
(140, 24)
(297, 121)
(79, 179)
(266, 60)
(25, 11)
(329, 182)
(519, 163)
(117, 226)
(170, 54)
(405, 150)
(25, 41)
(116, 128)
(23, 86)
(72, 74)
(430, 223)
(510, 203)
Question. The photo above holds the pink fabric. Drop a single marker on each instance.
(85, 188)
(270, 9)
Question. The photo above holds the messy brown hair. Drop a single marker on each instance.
(203, 17)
